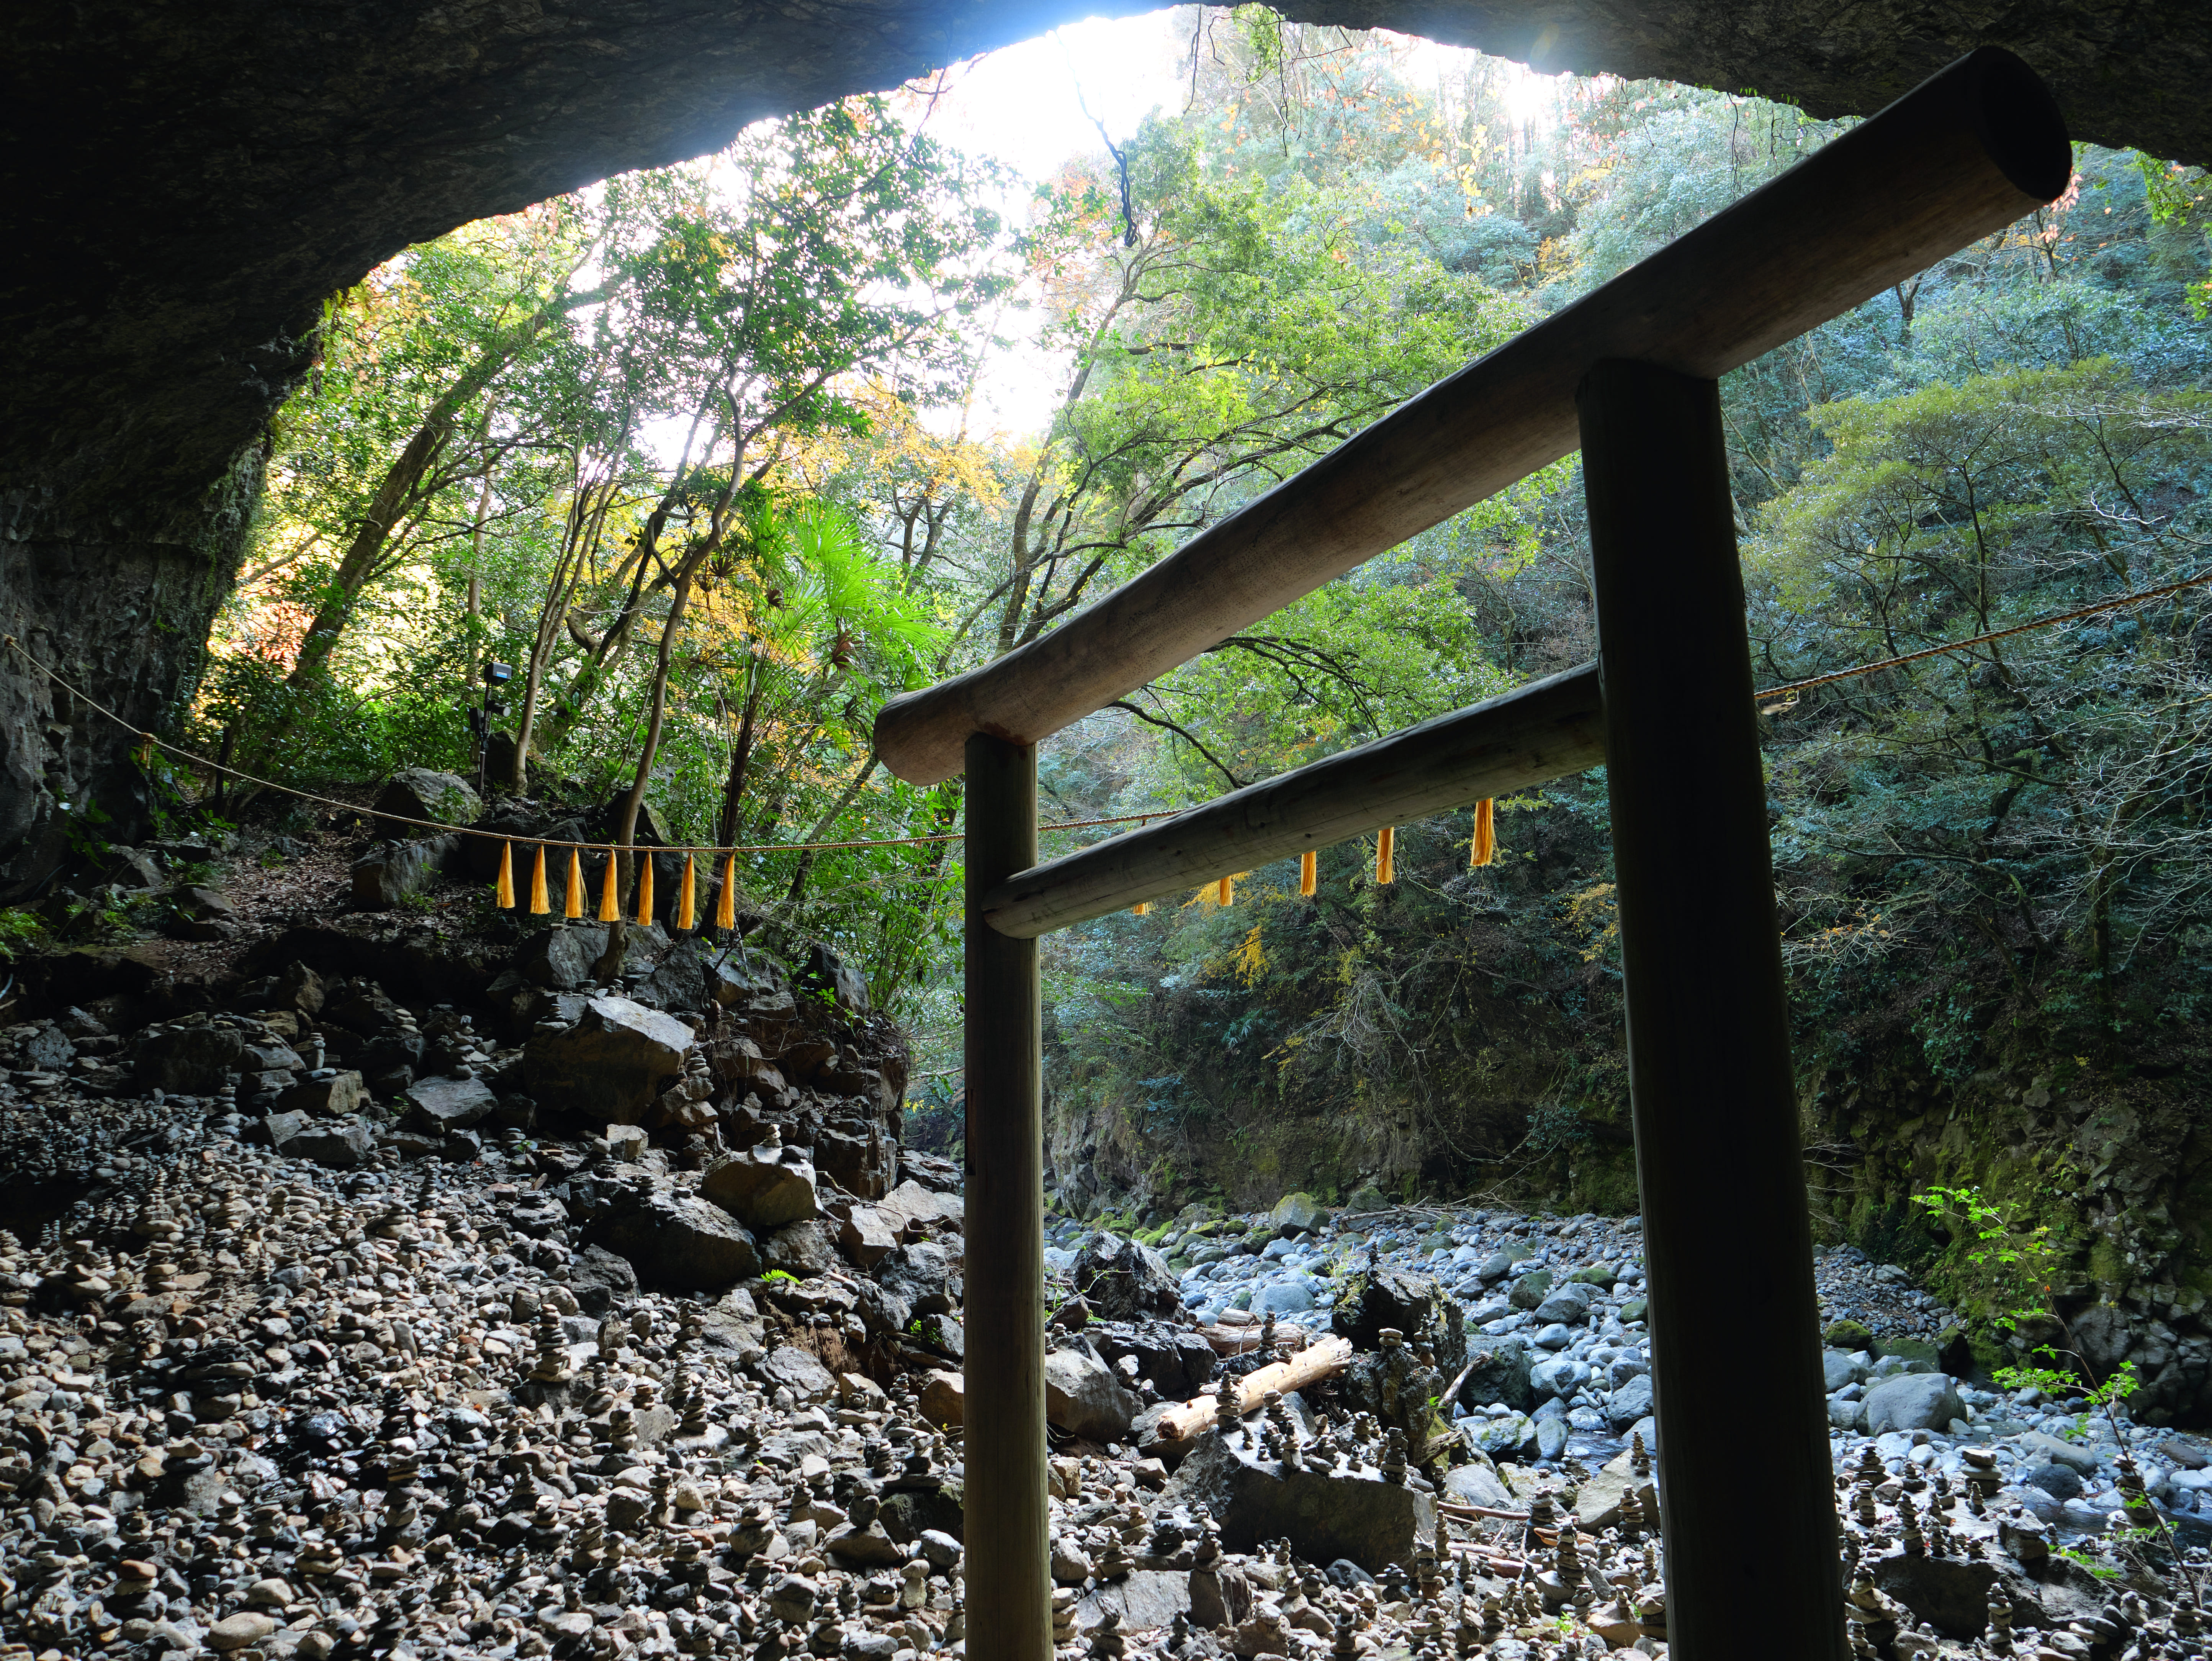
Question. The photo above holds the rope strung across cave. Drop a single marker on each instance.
(151, 743)
(2115, 605)
(1481, 853)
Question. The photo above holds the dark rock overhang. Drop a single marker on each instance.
(185, 184)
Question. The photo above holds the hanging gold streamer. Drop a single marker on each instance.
(1386, 849)
(146, 751)
(1225, 894)
(725, 902)
(506, 875)
(644, 891)
(573, 907)
(1309, 872)
(609, 911)
(1485, 848)
(1142, 907)
(686, 918)
(540, 905)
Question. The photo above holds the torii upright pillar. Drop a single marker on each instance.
(1746, 1490)
(1009, 1591)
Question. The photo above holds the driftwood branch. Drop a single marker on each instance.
(1309, 1367)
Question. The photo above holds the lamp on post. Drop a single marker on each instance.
(494, 674)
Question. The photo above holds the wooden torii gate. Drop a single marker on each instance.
(1629, 372)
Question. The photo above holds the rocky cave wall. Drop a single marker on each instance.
(184, 187)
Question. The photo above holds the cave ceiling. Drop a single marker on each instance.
(185, 184)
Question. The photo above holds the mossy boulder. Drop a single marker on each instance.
(1914, 1349)
(1849, 1335)
(1297, 1214)
(1531, 1289)
(1413, 1304)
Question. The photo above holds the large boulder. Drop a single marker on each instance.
(396, 872)
(1324, 1515)
(910, 1209)
(1122, 1281)
(1568, 1305)
(678, 1240)
(1509, 1433)
(1177, 1361)
(919, 1276)
(611, 1067)
(1297, 1214)
(1558, 1376)
(1531, 1289)
(1414, 1305)
(678, 981)
(600, 1279)
(561, 958)
(830, 977)
(1952, 1594)
(1498, 1371)
(751, 985)
(859, 1154)
(765, 1188)
(1083, 1397)
(1838, 1369)
(1148, 1601)
(1600, 1498)
(1480, 1484)
(1501, 1262)
(1630, 1404)
(801, 1372)
(330, 1098)
(443, 1105)
(864, 1237)
(340, 1144)
(1912, 1400)
(803, 1249)
(190, 1061)
(421, 793)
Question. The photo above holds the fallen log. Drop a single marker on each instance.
(1309, 1367)
(1454, 1508)
(1242, 1341)
(1496, 1559)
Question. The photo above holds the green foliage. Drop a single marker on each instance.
(748, 370)
(21, 931)
(1991, 1264)
(2008, 1271)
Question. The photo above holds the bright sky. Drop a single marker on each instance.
(1025, 106)
(1029, 107)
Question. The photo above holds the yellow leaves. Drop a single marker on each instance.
(900, 447)
(1593, 913)
(1250, 960)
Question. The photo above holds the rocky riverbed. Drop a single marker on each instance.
(583, 1319)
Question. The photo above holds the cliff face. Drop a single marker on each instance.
(117, 605)
(1506, 1079)
(184, 186)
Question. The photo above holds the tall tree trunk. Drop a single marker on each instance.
(609, 966)
(395, 494)
(827, 822)
(476, 612)
(586, 515)
(741, 755)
